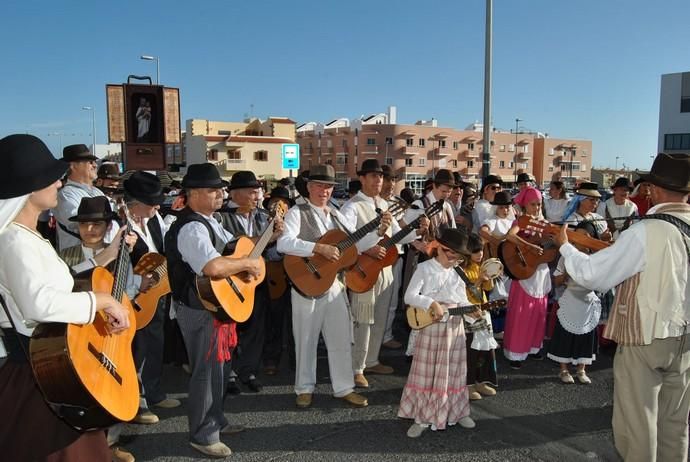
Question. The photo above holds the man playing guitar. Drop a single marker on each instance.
(194, 246)
(304, 225)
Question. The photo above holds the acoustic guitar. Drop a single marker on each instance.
(277, 279)
(419, 318)
(313, 276)
(86, 373)
(146, 303)
(364, 273)
(232, 298)
(520, 261)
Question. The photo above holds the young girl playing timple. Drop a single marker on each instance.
(481, 346)
(436, 393)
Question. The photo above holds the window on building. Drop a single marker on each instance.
(421, 162)
(344, 143)
(441, 143)
(470, 146)
(510, 164)
(341, 160)
(212, 154)
(583, 168)
(409, 142)
(329, 143)
(389, 161)
(371, 141)
(389, 140)
(408, 162)
(421, 142)
(456, 145)
(329, 162)
(583, 153)
(551, 152)
(454, 163)
(261, 156)
(501, 164)
(511, 148)
(677, 141)
(470, 163)
(502, 148)
(551, 168)
(234, 154)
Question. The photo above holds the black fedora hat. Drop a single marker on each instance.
(28, 166)
(588, 189)
(244, 179)
(455, 239)
(144, 187)
(77, 153)
(279, 192)
(623, 182)
(670, 171)
(354, 186)
(322, 174)
(523, 178)
(444, 177)
(502, 198)
(202, 176)
(388, 172)
(491, 179)
(94, 209)
(370, 166)
(109, 171)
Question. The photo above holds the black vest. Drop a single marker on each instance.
(180, 274)
(140, 248)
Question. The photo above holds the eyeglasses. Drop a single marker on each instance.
(495, 188)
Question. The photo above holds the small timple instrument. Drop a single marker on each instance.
(419, 318)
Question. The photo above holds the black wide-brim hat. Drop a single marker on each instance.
(243, 179)
(623, 182)
(523, 178)
(94, 209)
(444, 177)
(502, 198)
(279, 192)
(144, 187)
(27, 166)
(454, 239)
(109, 171)
(370, 166)
(77, 153)
(202, 176)
(670, 171)
(322, 174)
(491, 179)
(388, 172)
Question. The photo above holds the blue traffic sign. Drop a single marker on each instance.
(291, 156)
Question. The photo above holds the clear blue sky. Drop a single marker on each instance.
(579, 69)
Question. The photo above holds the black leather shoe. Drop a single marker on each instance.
(232, 389)
(254, 385)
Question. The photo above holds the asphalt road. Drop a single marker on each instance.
(533, 417)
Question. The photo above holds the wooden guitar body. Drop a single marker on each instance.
(365, 272)
(277, 279)
(419, 318)
(145, 303)
(232, 297)
(85, 371)
(519, 262)
(314, 275)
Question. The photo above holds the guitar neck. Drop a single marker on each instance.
(463, 309)
(263, 241)
(359, 234)
(397, 237)
(121, 266)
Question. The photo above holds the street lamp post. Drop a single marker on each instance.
(617, 157)
(58, 134)
(517, 121)
(158, 67)
(93, 127)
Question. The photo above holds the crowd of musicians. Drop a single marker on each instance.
(233, 284)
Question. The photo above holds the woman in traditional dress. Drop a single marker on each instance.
(37, 287)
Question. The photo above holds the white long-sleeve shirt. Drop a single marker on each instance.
(36, 284)
(431, 282)
(290, 244)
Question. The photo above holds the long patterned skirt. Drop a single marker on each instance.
(525, 324)
(436, 389)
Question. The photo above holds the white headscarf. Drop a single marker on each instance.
(10, 208)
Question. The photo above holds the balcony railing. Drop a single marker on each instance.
(410, 150)
(370, 149)
(443, 152)
(524, 155)
(234, 164)
(467, 154)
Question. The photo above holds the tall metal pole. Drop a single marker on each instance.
(486, 159)
(517, 121)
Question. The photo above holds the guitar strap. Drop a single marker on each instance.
(14, 339)
(476, 292)
(682, 226)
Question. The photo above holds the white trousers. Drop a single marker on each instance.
(368, 337)
(330, 316)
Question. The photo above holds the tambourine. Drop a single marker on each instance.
(492, 267)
